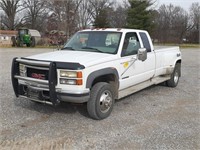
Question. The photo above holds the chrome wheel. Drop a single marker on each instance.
(176, 77)
(101, 101)
(105, 101)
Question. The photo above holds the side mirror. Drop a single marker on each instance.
(142, 54)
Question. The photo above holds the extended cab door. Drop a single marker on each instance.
(134, 71)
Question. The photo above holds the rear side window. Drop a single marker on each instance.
(145, 41)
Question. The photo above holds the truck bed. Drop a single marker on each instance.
(163, 48)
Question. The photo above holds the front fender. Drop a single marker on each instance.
(101, 72)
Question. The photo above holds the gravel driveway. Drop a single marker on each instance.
(158, 117)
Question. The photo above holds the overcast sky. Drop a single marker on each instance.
(185, 4)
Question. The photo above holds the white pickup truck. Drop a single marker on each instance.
(96, 66)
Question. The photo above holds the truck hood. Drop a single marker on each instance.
(84, 58)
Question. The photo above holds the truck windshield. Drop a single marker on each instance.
(94, 41)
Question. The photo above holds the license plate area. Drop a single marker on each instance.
(34, 94)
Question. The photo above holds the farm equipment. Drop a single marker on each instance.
(23, 37)
(57, 37)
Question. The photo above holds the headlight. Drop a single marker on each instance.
(67, 81)
(70, 74)
(71, 77)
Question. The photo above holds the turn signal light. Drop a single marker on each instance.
(79, 75)
(79, 82)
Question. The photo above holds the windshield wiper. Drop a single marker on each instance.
(92, 48)
(67, 48)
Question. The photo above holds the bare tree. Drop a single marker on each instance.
(35, 13)
(172, 23)
(117, 17)
(99, 12)
(180, 23)
(195, 22)
(85, 14)
(65, 15)
(56, 13)
(10, 9)
(71, 16)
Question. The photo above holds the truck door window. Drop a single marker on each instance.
(131, 44)
(145, 41)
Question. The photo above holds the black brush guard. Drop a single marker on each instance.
(52, 80)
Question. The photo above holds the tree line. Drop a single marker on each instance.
(168, 23)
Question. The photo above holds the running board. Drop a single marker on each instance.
(143, 85)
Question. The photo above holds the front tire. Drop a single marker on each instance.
(173, 82)
(101, 101)
(28, 44)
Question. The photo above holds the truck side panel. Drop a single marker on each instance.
(165, 59)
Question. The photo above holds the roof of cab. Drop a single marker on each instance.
(114, 30)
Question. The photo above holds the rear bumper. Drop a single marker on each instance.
(44, 91)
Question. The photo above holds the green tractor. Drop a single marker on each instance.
(23, 37)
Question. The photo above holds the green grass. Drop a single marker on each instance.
(166, 44)
(24, 47)
(180, 45)
(190, 45)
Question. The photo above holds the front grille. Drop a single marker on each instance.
(38, 74)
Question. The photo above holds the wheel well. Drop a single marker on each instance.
(109, 78)
(179, 63)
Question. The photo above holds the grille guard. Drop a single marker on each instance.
(52, 80)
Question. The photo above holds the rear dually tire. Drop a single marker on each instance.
(173, 82)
